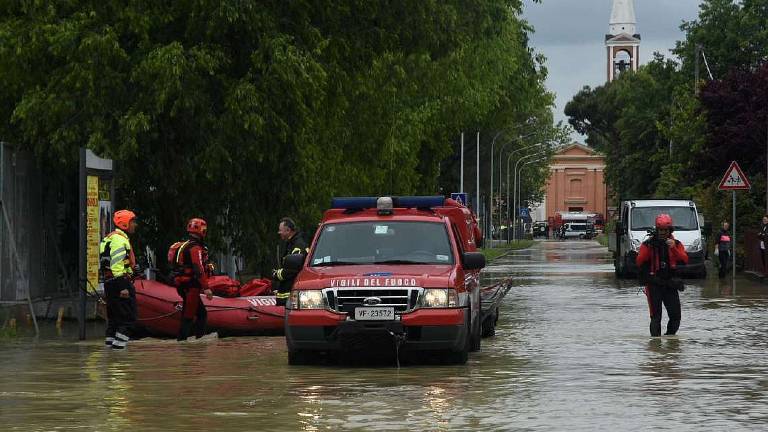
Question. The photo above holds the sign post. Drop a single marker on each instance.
(733, 180)
(96, 208)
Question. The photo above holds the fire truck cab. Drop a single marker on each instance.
(386, 271)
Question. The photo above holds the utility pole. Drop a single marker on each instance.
(477, 177)
(461, 180)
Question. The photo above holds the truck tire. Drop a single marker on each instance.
(489, 324)
(477, 332)
(298, 358)
(462, 355)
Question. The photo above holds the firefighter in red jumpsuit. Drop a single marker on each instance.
(191, 270)
(657, 261)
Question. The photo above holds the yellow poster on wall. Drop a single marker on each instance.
(93, 232)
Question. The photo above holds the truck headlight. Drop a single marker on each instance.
(307, 299)
(636, 244)
(695, 246)
(439, 298)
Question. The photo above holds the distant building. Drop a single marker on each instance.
(622, 42)
(576, 182)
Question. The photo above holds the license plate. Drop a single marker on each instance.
(374, 314)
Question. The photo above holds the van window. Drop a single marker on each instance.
(684, 218)
(578, 227)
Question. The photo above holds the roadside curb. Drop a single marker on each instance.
(510, 250)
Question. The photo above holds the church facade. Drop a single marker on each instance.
(576, 182)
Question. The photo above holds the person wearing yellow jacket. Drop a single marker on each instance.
(118, 264)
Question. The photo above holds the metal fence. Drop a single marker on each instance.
(28, 236)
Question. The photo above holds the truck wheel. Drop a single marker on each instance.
(298, 358)
(489, 324)
(462, 355)
(477, 332)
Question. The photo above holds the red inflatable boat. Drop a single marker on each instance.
(159, 309)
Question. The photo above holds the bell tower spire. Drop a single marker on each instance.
(622, 41)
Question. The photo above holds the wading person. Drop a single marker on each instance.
(292, 242)
(657, 260)
(723, 249)
(191, 270)
(762, 235)
(118, 264)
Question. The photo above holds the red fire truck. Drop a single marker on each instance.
(384, 271)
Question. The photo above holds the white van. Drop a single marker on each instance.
(637, 217)
(575, 230)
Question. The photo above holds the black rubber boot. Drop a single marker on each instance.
(655, 327)
(186, 326)
(672, 327)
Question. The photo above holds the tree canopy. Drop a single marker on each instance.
(243, 112)
(667, 135)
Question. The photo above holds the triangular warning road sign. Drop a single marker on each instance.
(734, 179)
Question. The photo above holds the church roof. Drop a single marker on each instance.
(576, 149)
(623, 37)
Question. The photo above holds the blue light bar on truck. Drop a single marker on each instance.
(353, 202)
(398, 202)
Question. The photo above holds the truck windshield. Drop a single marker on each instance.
(382, 243)
(684, 218)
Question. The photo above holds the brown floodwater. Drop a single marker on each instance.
(571, 351)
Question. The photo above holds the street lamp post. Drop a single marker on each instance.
(519, 186)
(490, 191)
(501, 166)
(509, 158)
(514, 181)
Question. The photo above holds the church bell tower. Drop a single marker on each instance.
(622, 42)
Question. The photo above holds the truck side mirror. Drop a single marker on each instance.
(473, 260)
(293, 262)
(707, 229)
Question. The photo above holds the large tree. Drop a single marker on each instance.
(242, 112)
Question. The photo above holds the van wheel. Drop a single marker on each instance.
(298, 358)
(617, 269)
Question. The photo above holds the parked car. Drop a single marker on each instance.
(540, 229)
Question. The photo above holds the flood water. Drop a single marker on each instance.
(571, 351)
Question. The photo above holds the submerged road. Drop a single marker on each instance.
(571, 352)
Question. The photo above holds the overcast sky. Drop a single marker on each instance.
(571, 34)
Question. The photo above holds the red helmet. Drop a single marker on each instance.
(197, 226)
(664, 221)
(123, 218)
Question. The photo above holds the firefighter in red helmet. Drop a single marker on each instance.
(191, 270)
(657, 261)
(118, 266)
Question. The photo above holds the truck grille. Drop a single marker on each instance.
(347, 299)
